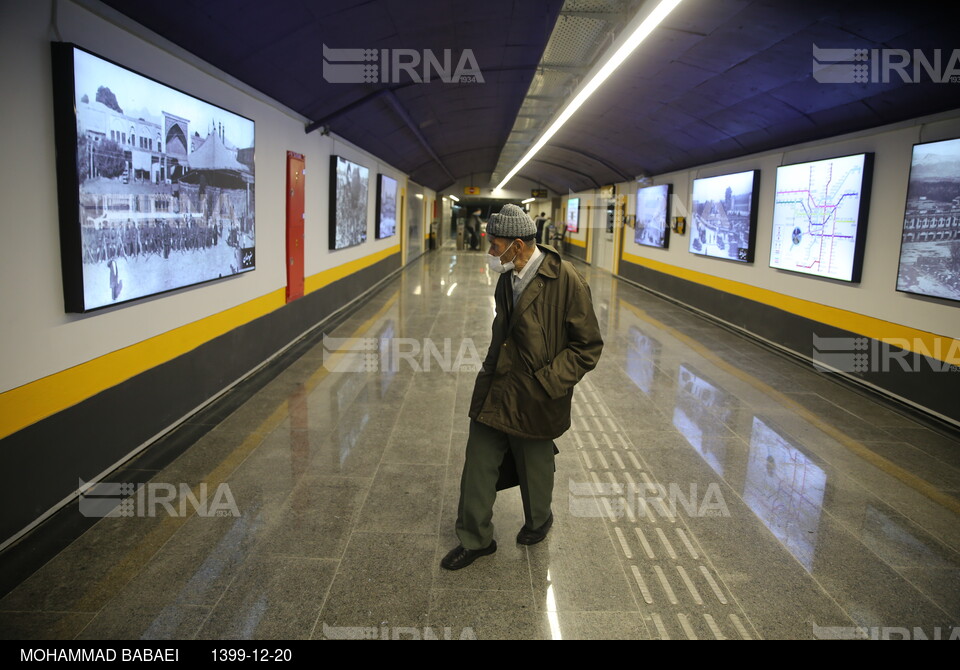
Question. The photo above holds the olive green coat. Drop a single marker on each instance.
(540, 349)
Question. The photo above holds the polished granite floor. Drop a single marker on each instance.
(708, 488)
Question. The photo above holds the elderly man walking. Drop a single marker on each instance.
(545, 338)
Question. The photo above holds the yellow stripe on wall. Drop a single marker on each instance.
(327, 277)
(577, 243)
(25, 405)
(918, 341)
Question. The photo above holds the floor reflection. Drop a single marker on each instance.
(701, 407)
(707, 489)
(785, 489)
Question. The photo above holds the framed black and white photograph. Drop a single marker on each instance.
(155, 186)
(651, 228)
(724, 221)
(930, 243)
(349, 187)
(386, 206)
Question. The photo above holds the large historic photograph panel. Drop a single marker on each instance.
(930, 244)
(159, 193)
(651, 227)
(349, 189)
(386, 206)
(725, 216)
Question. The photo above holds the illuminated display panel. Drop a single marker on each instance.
(651, 228)
(156, 187)
(930, 243)
(820, 217)
(724, 219)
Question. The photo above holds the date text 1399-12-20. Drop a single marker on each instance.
(241, 654)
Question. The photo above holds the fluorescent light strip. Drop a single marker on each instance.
(645, 28)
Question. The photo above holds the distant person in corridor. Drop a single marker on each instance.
(541, 222)
(473, 230)
(545, 338)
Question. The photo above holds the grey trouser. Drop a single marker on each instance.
(486, 448)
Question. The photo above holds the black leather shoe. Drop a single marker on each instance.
(461, 558)
(527, 536)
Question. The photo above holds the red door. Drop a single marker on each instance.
(295, 214)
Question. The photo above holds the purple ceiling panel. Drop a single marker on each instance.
(705, 133)
(809, 96)
(720, 78)
(930, 98)
(671, 82)
(726, 89)
(844, 118)
(882, 23)
(704, 16)
(754, 29)
(661, 47)
(724, 149)
(737, 120)
(771, 109)
(681, 139)
(697, 104)
(597, 161)
(667, 118)
(434, 17)
(757, 140)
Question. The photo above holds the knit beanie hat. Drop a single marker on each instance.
(512, 222)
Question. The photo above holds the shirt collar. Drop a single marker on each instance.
(530, 263)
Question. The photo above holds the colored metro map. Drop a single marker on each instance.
(817, 216)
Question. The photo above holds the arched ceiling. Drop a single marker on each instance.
(718, 79)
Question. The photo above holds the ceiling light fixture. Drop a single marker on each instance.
(632, 42)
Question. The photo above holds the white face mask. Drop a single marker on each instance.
(497, 266)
